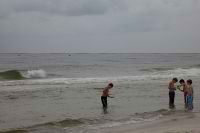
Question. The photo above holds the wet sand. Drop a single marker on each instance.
(187, 122)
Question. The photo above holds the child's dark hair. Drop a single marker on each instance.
(189, 81)
(182, 81)
(110, 84)
(175, 79)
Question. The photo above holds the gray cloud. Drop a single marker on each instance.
(60, 7)
(93, 7)
(98, 25)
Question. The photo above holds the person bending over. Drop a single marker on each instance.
(105, 94)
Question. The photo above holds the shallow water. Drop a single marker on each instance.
(68, 98)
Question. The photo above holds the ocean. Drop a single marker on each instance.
(60, 93)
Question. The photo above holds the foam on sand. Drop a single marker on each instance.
(185, 122)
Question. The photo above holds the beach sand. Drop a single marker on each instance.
(185, 122)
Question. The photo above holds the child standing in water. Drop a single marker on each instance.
(184, 90)
(105, 94)
(172, 89)
(190, 94)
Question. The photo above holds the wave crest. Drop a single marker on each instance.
(36, 74)
(11, 75)
(161, 75)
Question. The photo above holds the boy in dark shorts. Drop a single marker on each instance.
(105, 94)
(172, 89)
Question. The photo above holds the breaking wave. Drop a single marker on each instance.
(11, 75)
(17, 75)
(179, 72)
(36, 74)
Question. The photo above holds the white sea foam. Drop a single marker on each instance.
(132, 121)
(36, 73)
(179, 72)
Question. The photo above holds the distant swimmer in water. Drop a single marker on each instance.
(105, 94)
(172, 89)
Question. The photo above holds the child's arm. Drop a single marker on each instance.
(110, 96)
(179, 87)
(192, 91)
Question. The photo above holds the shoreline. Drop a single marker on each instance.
(184, 122)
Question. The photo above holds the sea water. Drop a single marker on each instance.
(61, 92)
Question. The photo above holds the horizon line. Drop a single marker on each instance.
(98, 53)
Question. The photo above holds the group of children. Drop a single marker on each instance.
(186, 88)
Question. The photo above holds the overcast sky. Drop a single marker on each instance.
(136, 26)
